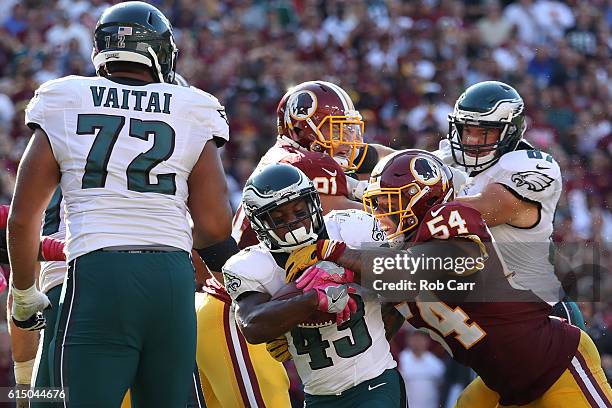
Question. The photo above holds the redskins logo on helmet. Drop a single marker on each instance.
(425, 170)
(302, 105)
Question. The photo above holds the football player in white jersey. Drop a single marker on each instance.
(346, 364)
(133, 154)
(33, 366)
(515, 187)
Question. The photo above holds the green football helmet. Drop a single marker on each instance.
(488, 105)
(136, 32)
(271, 187)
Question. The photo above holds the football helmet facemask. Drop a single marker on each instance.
(135, 32)
(486, 105)
(272, 187)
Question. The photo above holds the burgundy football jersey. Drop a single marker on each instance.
(514, 346)
(326, 175)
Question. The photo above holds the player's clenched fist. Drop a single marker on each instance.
(323, 250)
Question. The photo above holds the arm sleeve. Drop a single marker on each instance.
(34, 112)
(216, 256)
(369, 162)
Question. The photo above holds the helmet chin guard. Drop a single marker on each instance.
(297, 238)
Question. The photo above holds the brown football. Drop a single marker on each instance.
(316, 319)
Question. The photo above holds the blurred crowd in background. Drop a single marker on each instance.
(403, 62)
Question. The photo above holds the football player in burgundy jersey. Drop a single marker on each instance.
(321, 133)
(526, 357)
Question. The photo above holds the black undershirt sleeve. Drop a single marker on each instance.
(369, 162)
(216, 255)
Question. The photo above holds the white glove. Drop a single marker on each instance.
(356, 188)
(28, 305)
(445, 152)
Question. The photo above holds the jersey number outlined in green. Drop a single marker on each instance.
(310, 341)
(109, 127)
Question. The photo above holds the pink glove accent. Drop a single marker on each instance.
(3, 283)
(351, 307)
(316, 276)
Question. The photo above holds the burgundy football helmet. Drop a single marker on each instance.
(321, 117)
(404, 186)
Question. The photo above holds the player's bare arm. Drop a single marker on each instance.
(498, 205)
(208, 201)
(37, 178)
(262, 320)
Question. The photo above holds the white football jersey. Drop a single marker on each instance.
(534, 176)
(125, 153)
(334, 358)
(52, 273)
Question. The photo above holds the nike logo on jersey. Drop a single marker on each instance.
(542, 168)
(371, 387)
(332, 174)
(435, 213)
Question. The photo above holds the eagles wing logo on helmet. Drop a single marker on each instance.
(425, 170)
(302, 105)
(534, 180)
(232, 283)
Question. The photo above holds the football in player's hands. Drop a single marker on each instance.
(336, 275)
